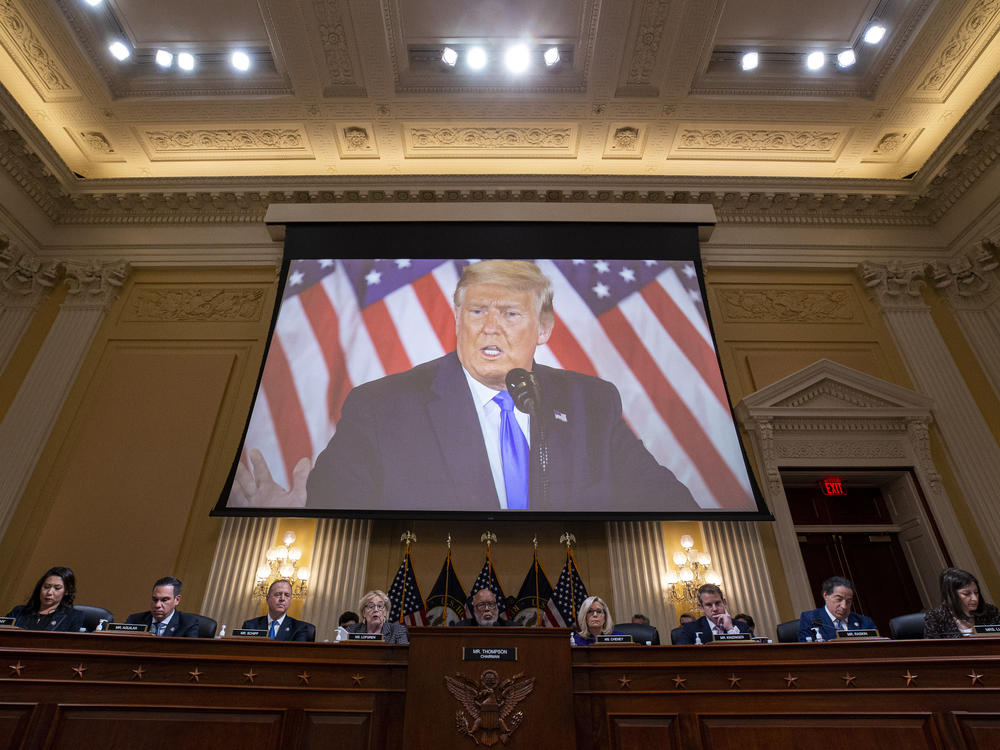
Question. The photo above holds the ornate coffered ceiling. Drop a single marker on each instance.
(345, 101)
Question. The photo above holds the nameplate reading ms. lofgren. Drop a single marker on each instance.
(126, 627)
(863, 633)
(365, 637)
(249, 633)
(489, 654)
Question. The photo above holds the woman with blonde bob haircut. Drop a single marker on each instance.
(593, 619)
(374, 608)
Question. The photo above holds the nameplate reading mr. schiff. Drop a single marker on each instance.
(249, 633)
(614, 638)
(126, 627)
(489, 654)
(987, 629)
(728, 637)
(365, 637)
(862, 633)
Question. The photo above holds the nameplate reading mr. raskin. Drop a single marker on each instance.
(726, 637)
(7, 622)
(365, 637)
(489, 654)
(249, 633)
(126, 627)
(863, 633)
(987, 629)
(614, 638)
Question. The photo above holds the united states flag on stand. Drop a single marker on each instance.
(530, 608)
(487, 579)
(446, 602)
(568, 595)
(404, 595)
(639, 324)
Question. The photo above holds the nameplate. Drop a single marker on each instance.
(489, 654)
(730, 637)
(125, 627)
(249, 633)
(862, 633)
(979, 629)
(365, 637)
(7, 622)
(614, 638)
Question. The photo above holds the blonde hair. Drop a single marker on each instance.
(581, 617)
(519, 275)
(367, 598)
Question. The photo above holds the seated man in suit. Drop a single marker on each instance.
(163, 617)
(484, 611)
(278, 625)
(836, 614)
(715, 621)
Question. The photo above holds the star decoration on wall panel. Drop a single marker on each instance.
(79, 670)
(15, 669)
(977, 679)
(790, 681)
(734, 681)
(910, 678)
(680, 682)
(624, 682)
(304, 677)
(250, 675)
(357, 679)
(195, 675)
(848, 679)
(138, 672)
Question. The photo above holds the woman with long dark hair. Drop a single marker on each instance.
(50, 606)
(961, 607)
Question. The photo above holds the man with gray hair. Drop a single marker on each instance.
(445, 435)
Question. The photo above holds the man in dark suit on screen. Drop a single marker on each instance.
(280, 626)
(163, 618)
(716, 620)
(443, 435)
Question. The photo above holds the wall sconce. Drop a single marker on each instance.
(693, 571)
(282, 561)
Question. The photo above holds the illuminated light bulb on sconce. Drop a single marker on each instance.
(303, 575)
(288, 538)
(282, 562)
(294, 554)
(686, 574)
(670, 578)
(263, 572)
(680, 559)
(687, 542)
(713, 577)
(704, 559)
(287, 570)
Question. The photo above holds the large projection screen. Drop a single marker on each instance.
(374, 394)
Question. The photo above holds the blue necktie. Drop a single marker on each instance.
(274, 629)
(159, 627)
(513, 454)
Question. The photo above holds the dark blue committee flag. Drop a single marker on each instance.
(529, 608)
(446, 602)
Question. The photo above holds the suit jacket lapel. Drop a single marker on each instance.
(452, 414)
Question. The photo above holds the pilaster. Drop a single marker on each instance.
(24, 282)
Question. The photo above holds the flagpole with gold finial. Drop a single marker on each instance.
(489, 538)
(570, 540)
(409, 537)
(447, 580)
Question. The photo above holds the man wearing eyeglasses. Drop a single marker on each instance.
(484, 611)
(280, 626)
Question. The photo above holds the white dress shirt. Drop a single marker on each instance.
(489, 420)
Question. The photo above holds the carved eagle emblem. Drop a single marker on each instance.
(487, 714)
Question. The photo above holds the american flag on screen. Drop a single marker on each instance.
(404, 596)
(639, 324)
(567, 596)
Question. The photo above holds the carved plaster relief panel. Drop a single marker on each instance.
(783, 142)
(196, 143)
(787, 305)
(216, 304)
(892, 145)
(970, 34)
(473, 140)
(625, 141)
(95, 145)
(356, 140)
(34, 56)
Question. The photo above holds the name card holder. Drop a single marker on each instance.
(855, 635)
(365, 637)
(249, 633)
(987, 629)
(501, 653)
(614, 638)
(732, 638)
(132, 628)
(7, 622)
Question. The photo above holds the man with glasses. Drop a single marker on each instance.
(280, 626)
(484, 611)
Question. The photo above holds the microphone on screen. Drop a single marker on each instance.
(523, 389)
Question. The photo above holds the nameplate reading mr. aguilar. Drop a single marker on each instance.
(863, 633)
(249, 633)
(126, 627)
(987, 629)
(365, 637)
(489, 654)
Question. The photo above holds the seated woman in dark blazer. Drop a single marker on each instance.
(961, 607)
(374, 607)
(50, 606)
(593, 619)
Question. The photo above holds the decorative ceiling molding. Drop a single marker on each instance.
(33, 54)
(968, 37)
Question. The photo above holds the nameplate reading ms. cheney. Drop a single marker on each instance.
(7, 622)
(614, 638)
(489, 654)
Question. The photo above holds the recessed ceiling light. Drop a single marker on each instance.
(476, 58)
(551, 56)
(750, 61)
(815, 60)
(93, 3)
(517, 58)
(874, 33)
(119, 50)
(449, 56)
(164, 59)
(185, 61)
(847, 58)
(240, 60)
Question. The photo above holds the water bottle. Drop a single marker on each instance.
(222, 632)
(819, 635)
(697, 638)
(100, 626)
